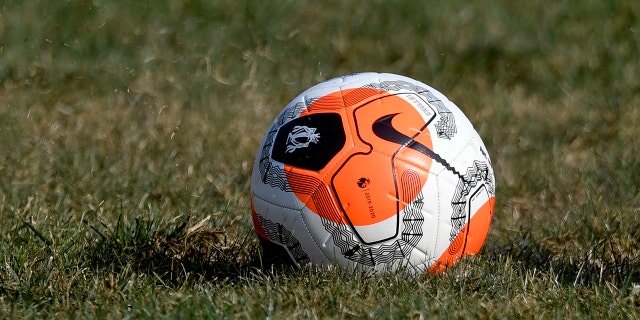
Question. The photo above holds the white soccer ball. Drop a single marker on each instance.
(372, 171)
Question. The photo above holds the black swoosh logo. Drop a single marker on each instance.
(385, 131)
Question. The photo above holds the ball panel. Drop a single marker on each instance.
(365, 191)
(366, 200)
(310, 141)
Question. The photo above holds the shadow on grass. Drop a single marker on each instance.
(602, 263)
(180, 253)
(177, 254)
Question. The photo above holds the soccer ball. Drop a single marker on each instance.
(372, 171)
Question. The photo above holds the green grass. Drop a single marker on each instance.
(128, 131)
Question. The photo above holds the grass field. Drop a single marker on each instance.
(128, 131)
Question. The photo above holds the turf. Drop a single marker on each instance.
(128, 132)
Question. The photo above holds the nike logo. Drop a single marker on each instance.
(385, 131)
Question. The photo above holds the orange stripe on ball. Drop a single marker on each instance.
(470, 238)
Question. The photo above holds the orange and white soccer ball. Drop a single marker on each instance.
(372, 171)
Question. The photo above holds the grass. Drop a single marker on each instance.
(128, 132)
